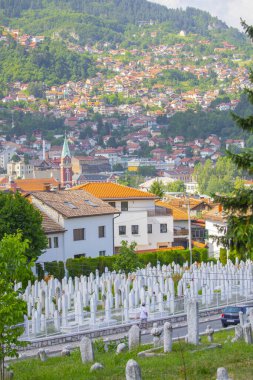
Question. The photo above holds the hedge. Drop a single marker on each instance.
(86, 265)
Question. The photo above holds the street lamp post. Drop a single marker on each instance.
(189, 231)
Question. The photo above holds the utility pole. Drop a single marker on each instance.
(189, 231)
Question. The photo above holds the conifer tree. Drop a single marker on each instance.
(238, 208)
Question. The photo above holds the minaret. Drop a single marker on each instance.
(66, 165)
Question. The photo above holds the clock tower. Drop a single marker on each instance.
(66, 165)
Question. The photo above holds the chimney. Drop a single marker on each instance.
(47, 186)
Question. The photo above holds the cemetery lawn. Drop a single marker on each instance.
(181, 364)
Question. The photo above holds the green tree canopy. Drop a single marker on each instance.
(219, 178)
(127, 261)
(176, 186)
(157, 188)
(18, 214)
(239, 206)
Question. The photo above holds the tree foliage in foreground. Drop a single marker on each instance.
(13, 267)
(18, 214)
(239, 206)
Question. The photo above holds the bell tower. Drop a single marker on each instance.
(66, 165)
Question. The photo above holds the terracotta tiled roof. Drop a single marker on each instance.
(49, 225)
(4, 180)
(109, 190)
(183, 202)
(215, 214)
(178, 213)
(74, 204)
(35, 184)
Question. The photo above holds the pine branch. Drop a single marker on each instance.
(241, 203)
(248, 29)
(243, 160)
(244, 123)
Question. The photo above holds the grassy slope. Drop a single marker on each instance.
(237, 358)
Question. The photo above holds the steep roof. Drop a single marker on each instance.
(65, 149)
(109, 190)
(49, 225)
(74, 204)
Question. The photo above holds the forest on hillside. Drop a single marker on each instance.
(51, 63)
(108, 16)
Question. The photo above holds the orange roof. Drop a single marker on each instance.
(178, 213)
(35, 184)
(216, 214)
(109, 190)
(176, 248)
(198, 244)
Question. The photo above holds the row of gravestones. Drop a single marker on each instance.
(65, 302)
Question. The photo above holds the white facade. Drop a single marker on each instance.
(212, 228)
(5, 156)
(67, 244)
(149, 226)
(191, 187)
(20, 169)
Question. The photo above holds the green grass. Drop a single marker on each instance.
(202, 365)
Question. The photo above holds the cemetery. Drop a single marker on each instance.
(89, 303)
(214, 355)
(92, 302)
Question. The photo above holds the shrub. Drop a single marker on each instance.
(223, 256)
(124, 261)
(55, 268)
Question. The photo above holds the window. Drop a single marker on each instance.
(113, 204)
(101, 231)
(149, 228)
(163, 228)
(102, 253)
(135, 229)
(79, 255)
(56, 242)
(78, 234)
(49, 243)
(122, 230)
(124, 206)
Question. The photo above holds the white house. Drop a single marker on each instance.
(6, 156)
(140, 220)
(20, 169)
(191, 187)
(76, 224)
(215, 226)
(180, 223)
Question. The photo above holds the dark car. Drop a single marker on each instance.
(230, 315)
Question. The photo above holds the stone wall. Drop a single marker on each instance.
(108, 331)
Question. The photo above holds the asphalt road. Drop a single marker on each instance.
(181, 331)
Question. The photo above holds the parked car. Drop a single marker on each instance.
(230, 315)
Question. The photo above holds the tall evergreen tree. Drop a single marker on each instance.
(239, 207)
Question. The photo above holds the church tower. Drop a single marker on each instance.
(66, 165)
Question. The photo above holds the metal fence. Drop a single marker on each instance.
(115, 317)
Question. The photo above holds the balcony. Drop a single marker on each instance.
(181, 232)
(159, 211)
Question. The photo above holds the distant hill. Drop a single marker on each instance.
(104, 19)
